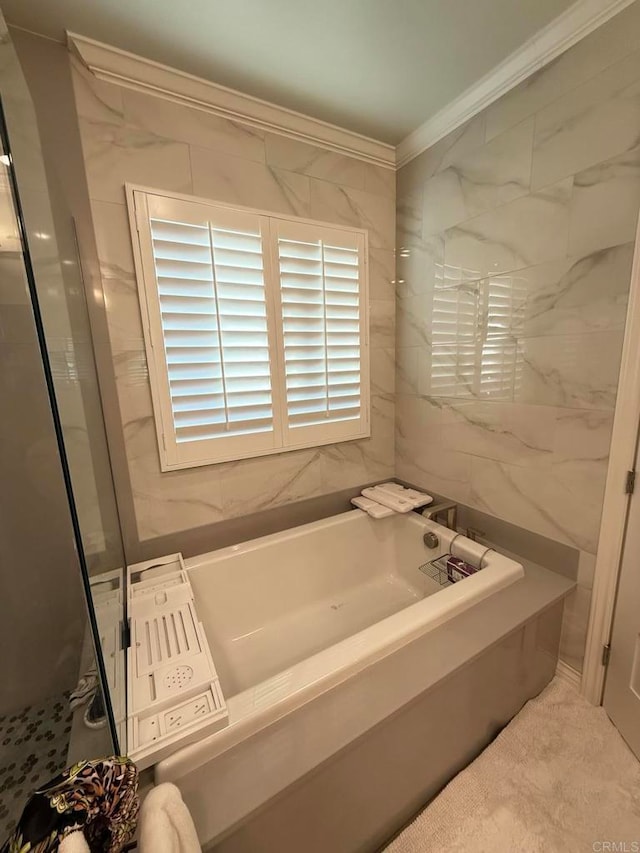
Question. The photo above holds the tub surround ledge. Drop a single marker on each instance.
(297, 743)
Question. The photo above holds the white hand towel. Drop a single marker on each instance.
(165, 824)
(74, 843)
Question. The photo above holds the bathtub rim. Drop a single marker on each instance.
(216, 555)
(316, 674)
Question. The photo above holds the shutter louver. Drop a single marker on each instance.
(320, 298)
(213, 310)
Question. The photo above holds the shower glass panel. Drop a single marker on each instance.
(60, 543)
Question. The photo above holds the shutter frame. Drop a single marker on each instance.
(145, 203)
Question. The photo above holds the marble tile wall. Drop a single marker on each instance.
(515, 242)
(130, 136)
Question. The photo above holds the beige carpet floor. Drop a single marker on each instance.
(558, 779)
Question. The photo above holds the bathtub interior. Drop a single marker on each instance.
(271, 604)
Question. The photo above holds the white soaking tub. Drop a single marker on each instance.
(299, 624)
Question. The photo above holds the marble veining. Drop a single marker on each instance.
(409, 219)
(419, 419)
(383, 377)
(139, 429)
(117, 274)
(380, 181)
(270, 481)
(518, 234)
(407, 369)
(115, 154)
(583, 435)
(382, 274)
(193, 126)
(575, 295)
(350, 464)
(578, 371)
(505, 432)
(120, 292)
(445, 472)
(382, 314)
(612, 186)
(160, 514)
(170, 501)
(482, 180)
(413, 326)
(95, 99)
(383, 410)
(234, 180)
(295, 156)
(132, 383)
(552, 502)
(584, 61)
(458, 142)
(592, 123)
(333, 203)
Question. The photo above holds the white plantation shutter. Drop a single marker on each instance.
(214, 323)
(323, 326)
(255, 329)
(207, 310)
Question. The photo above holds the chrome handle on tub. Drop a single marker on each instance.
(474, 534)
(448, 507)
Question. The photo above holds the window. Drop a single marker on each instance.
(255, 329)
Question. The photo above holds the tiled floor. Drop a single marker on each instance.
(33, 749)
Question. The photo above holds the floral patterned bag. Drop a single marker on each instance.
(100, 798)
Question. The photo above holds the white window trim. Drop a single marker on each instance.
(163, 418)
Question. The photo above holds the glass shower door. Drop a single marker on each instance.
(60, 543)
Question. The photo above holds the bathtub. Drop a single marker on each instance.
(304, 627)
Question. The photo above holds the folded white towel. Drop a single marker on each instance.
(74, 843)
(165, 825)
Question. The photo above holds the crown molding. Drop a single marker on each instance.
(576, 22)
(144, 75)
(135, 72)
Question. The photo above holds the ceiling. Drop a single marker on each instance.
(377, 67)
